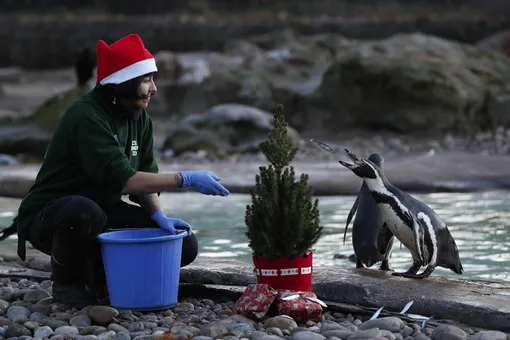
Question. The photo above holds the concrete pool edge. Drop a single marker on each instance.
(441, 172)
(474, 303)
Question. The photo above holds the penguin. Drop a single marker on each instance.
(411, 221)
(372, 240)
(369, 247)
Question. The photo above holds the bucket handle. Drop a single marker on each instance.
(188, 229)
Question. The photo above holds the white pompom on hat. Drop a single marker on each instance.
(125, 59)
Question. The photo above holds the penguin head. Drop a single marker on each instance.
(363, 168)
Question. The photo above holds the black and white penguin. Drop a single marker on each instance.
(412, 222)
(372, 240)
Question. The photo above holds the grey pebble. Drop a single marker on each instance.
(406, 331)
(38, 317)
(106, 336)
(339, 333)
(269, 337)
(275, 331)
(366, 334)
(16, 330)
(489, 335)
(307, 335)
(32, 325)
(4, 305)
(86, 337)
(387, 334)
(7, 293)
(54, 324)
(35, 295)
(80, 320)
(448, 332)
(38, 308)
(421, 336)
(281, 322)
(391, 323)
(122, 336)
(243, 327)
(67, 331)
(117, 328)
(136, 327)
(43, 332)
(230, 337)
(17, 312)
(143, 337)
(158, 333)
(329, 325)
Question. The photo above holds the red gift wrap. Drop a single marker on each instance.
(283, 273)
(255, 301)
(301, 306)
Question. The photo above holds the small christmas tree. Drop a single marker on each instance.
(283, 219)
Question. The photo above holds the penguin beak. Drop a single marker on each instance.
(357, 161)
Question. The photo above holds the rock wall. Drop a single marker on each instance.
(295, 6)
(52, 42)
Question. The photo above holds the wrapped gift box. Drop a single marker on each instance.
(255, 301)
(301, 306)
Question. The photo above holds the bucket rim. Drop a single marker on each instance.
(103, 237)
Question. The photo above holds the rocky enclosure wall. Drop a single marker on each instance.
(42, 42)
(295, 6)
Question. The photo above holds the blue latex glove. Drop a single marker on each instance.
(169, 223)
(204, 182)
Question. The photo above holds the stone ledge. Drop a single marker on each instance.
(474, 303)
(467, 301)
(442, 172)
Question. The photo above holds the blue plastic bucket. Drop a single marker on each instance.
(142, 267)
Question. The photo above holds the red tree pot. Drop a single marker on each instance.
(283, 273)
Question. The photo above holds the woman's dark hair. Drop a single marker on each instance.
(127, 89)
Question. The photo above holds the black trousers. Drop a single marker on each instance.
(66, 230)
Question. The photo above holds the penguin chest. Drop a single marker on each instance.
(399, 228)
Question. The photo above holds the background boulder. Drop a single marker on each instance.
(223, 130)
(412, 83)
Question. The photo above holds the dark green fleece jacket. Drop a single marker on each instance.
(94, 150)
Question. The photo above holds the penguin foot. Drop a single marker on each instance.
(385, 266)
(409, 275)
(411, 272)
(426, 273)
(359, 264)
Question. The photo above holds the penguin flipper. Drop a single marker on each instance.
(417, 237)
(384, 238)
(385, 265)
(354, 208)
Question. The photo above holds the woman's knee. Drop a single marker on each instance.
(79, 213)
(189, 250)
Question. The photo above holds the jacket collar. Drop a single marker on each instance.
(108, 98)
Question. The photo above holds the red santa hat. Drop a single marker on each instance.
(125, 59)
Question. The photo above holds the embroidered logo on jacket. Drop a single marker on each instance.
(134, 148)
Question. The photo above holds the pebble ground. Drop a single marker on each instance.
(27, 311)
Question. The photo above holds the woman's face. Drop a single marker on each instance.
(147, 89)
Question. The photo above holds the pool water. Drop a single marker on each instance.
(479, 222)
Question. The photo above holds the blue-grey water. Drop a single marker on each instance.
(479, 222)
